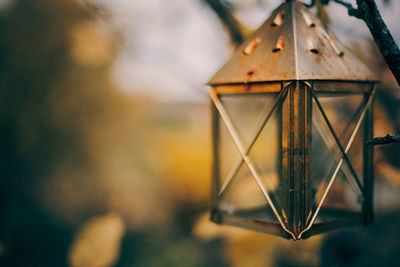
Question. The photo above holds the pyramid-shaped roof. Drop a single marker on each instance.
(292, 44)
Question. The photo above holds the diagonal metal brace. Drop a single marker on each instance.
(246, 159)
(252, 140)
(350, 142)
(344, 154)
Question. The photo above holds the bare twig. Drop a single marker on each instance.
(382, 36)
(312, 4)
(369, 13)
(388, 139)
(226, 17)
(350, 9)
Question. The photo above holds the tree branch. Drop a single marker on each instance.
(388, 139)
(312, 4)
(226, 17)
(369, 13)
(350, 9)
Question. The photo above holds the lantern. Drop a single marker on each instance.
(291, 113)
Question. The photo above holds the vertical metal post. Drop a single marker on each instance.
(368, 203)
(215, 185)
(305, 193)
(296, 156)
(280, 162)
(286, 157)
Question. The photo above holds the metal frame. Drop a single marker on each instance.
(298, 226)
(344, 154)
(244, 154)
(368, 161)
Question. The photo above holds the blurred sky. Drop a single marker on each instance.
(172, 47)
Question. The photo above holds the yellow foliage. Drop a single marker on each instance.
(185, 160)
(187, 170)
(97, 244)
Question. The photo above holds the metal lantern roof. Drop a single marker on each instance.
(292, 44)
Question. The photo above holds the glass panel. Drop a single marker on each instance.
(343, 112)
(340, 202)
(247, 111)
(229, 153)
(244, 198)
(240, 194)
(326, 152)
(356, 154)
(345, 194)
(265, 155)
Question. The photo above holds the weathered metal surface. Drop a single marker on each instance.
(341, 87)
(252, 220)
(256, 220)
(249, 88)
(296, 159)
(292, 44)
(215, 185)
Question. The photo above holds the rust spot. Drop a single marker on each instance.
(284, 217)
(247, 79)
(308, 218)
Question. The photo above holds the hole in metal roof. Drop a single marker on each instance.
(308, 20)
(312, 47)
(278, 46)
(278, 19)
(249, 49)
(338, 52)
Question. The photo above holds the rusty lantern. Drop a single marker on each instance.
(291, 112)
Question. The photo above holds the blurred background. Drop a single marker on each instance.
(105, 137)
